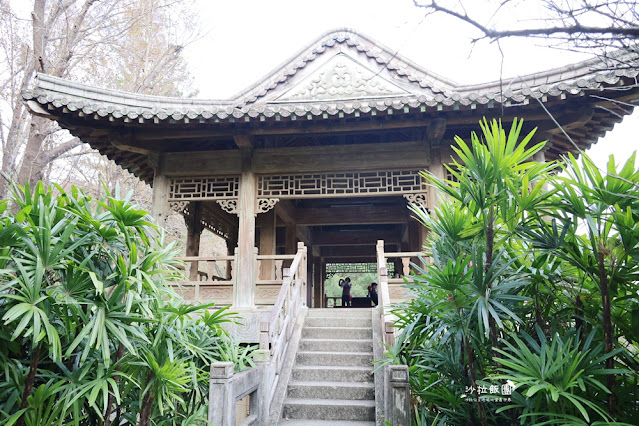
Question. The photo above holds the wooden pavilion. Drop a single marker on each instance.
(326, 151)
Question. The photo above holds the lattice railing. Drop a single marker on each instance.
(204, 188)
(340, 184)
(349, 268)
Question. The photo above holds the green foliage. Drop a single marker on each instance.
(90, 326)
(520, 252)
(359, 282)
(556, 379)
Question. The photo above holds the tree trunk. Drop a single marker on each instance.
(147, 404)
(28, 383)
(473, 378)
(490, 245)
(32, 167)
(608, 332)
(107, 412)
(579, 313)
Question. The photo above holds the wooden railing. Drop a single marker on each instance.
(276, 331)
(395, 397)
(210, 278)
(391, 287)
(383, 295)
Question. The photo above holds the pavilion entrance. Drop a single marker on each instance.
(340, 236)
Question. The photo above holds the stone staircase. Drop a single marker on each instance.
(332, 380)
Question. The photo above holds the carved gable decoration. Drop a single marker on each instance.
(341, 78)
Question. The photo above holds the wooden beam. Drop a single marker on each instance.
(351, 215)
(436, 130)
(206, 163)
(569, 121)
(382, 156)
(126, 142)
(243, 141)
(286, 211)
(305, 235)
(348, 238)
(348, 251)
(346, 259)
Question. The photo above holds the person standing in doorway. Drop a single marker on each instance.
(373, 294)
(346, 291)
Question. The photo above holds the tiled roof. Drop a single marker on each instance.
(428, 91)
(343, 77)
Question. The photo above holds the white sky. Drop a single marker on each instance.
(249, 38)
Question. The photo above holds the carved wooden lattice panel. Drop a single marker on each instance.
(339, 184)
(203, 188)
(354, 268)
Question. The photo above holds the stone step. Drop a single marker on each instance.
(349, 333)
(307, 422)
(339, 313)
(336, 345)
(322, 373)
(328, 409)
(338, 322)
(346, 359)
(331, 390)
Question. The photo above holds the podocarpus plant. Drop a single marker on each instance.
(595, 230)
(553, 377)
(516, 249)
(473, 290)
(91, 331)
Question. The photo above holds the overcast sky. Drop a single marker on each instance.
(249, 38)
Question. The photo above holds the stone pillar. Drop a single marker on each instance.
(221, 401)
(398, 395)
(262, 359)
(160, 199)
(267, 243)
(245, 269)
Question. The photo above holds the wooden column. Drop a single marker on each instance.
(267, 243)
(159, 201)
(231, 245)
(309, 279)
(317, 278)
(245, 271)
(322, 274)
(193, 234)
(436, 160)
(290, 243)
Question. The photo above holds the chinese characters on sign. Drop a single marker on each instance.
(498, 393)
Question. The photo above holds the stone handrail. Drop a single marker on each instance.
(276, 331)
(383, 295)
(394, 399)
